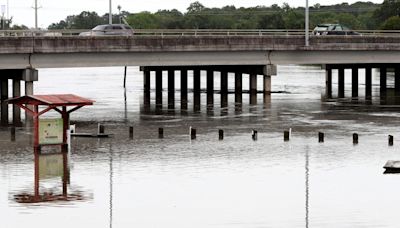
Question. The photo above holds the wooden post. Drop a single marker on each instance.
(355, 138)
(131, 132)
(160, 133)
(254, 135)
(12, 131)
(221, 134)
(391, 140)
(286, 136)
(321, 137)
(100, 129)
(192, 133)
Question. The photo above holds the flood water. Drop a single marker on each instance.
(237, 182)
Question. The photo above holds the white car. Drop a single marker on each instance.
(109, 30)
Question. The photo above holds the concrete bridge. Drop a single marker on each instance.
(75, 51)
(248, 54)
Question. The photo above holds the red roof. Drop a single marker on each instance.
(52, 99)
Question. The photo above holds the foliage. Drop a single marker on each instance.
(392, 23)
(359, 15)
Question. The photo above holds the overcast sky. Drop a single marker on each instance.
(56, 10)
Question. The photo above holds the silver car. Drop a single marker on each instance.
(109, 30)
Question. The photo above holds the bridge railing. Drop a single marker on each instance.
(188, 32)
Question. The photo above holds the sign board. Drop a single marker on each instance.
(51, 165)
(51, 131)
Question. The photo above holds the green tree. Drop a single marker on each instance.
(143, 20)
(392, 23)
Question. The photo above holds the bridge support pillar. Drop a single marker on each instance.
(224, 89)
(210, 89)
(383, 80)
(354, 81)
(171, 89)
(328, 82)
(146, 89)
(3, 98)
(196, 89)
(238, 88)
(16, 109)
(341, 82)
(29, 75)
(159, 87)
(184, 90)
(397, 80)
(253, 88)
(368, 83)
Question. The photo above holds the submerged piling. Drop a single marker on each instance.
(321, 136)
(286, 136)
(12, 131)
(391, 140)
(160, 133)
(100, 129)
(254, 135)
(221, 134)
(355, 138)
(192, 133)
(131, 132)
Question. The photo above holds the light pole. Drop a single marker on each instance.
(110, 14)
(307, 28)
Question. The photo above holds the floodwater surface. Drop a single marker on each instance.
(207, 182)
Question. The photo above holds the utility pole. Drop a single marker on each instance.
(36, 14)
(307, 28)
(110, 14)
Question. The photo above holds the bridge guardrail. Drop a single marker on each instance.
(188, 32)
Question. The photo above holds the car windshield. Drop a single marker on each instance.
(321, 28)
(99, 28)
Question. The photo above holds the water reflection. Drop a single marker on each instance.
(48, 167)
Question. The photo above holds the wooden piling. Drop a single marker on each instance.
(160, 133)
(321, 136)
(286, 136)
(12, 131)
(254, 135)
(221, 134)
(131, 132)
(100, 129)
(355, 138)
(192, 133)
(391, 140)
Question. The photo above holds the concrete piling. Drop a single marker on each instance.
(391, 140)
(184, 89)
(253, 89)
(286, 136)
(159, 88)
(354, 81)
(368, 83)
(16, 110)
(383, 79)
(196, 89)
(341, 82)
(3, 98)
(254, 135)
(171, 89)
(328, 82)
(355, 138)
(238, 87)
(321, 136)
(221, 134)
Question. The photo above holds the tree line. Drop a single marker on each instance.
(359, 15)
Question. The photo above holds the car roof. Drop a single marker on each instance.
(326, 25)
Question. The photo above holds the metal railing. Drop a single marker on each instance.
(189, 32)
